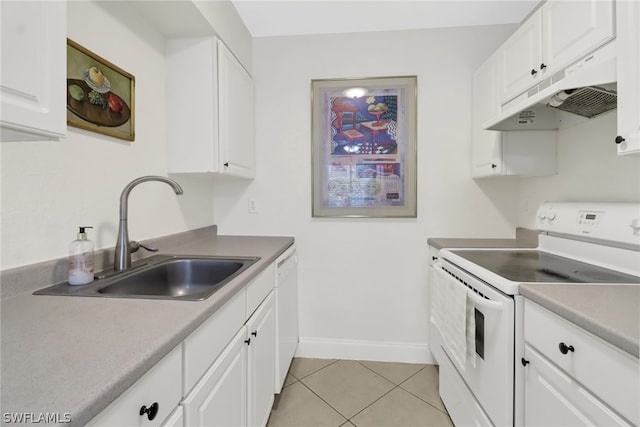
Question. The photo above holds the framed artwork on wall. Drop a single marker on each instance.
(100, 95)
(363, 137)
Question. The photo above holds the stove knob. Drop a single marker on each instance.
(550, 215)
(635, 226)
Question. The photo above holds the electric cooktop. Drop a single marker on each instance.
(536, 266)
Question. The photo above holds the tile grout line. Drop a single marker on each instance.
(395, 386)
(418, 397)
(402, 388)
(327, 403)
(317, 370)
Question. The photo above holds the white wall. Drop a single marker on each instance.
(50, 188)
(363, 281)
(588, 170)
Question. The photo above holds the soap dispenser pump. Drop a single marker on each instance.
(81, 259)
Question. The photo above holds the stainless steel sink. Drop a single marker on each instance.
(175, 277)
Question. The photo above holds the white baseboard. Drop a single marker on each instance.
(318, 348)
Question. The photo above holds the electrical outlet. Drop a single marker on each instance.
(253, 208)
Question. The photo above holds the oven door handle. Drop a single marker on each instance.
(477, 299)
(484, 302)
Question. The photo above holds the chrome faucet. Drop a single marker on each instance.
(124, 247)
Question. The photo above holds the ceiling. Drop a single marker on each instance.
(267, 18)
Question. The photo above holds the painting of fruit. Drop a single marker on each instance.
(100, 95)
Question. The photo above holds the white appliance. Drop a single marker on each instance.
(476, 309)
(286, 313)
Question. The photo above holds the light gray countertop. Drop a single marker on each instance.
(525, 238)
(77, 354)
(611, 312)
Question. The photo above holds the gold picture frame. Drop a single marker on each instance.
(364, 141)
(100, 95)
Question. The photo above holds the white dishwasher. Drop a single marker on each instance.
(286, 313)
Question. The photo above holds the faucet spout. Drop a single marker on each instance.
(122, 259)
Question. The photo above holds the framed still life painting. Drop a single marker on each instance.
(100, 95)
(364, 147)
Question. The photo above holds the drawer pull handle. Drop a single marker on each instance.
(151, 411)
(524, 361)
(564, 349)
(254, 333)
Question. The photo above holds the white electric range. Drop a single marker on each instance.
(476, 309)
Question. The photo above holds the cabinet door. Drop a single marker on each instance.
(32, 85)
(192, 105)
(261, 331)
(236, 116)
(628, 77)
(220, 397)
(486, 145)
(160, 387)
(551, 397)
(573, 29)
(520, 58)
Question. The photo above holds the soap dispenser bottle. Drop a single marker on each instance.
(81, 259)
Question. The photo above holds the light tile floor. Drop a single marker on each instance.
(334, 393)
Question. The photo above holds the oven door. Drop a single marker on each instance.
(478, 372)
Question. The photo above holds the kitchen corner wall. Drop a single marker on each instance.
(588, 170)
(51, 188)
(362, 291)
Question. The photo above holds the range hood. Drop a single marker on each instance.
(582, 91)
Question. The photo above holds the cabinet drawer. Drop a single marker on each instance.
(260, 287)
(160, 385)
(205, 344)
(605, 370)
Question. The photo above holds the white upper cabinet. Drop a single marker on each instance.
(235, 89)
(485, 144)
(628, 139)
(558, 34)
(494, 153)
(210, 109)
(520, 58)
(32, 85)
(572, 29)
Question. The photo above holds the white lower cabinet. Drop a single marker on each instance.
(261, 340)
(151, 400)
(237, 390)
(176, 419)
(220, 397)
(573, 378)
(223, 374)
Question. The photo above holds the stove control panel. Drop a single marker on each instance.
(589, 218)
(618, 223)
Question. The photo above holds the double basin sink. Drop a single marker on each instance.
(174, 277)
